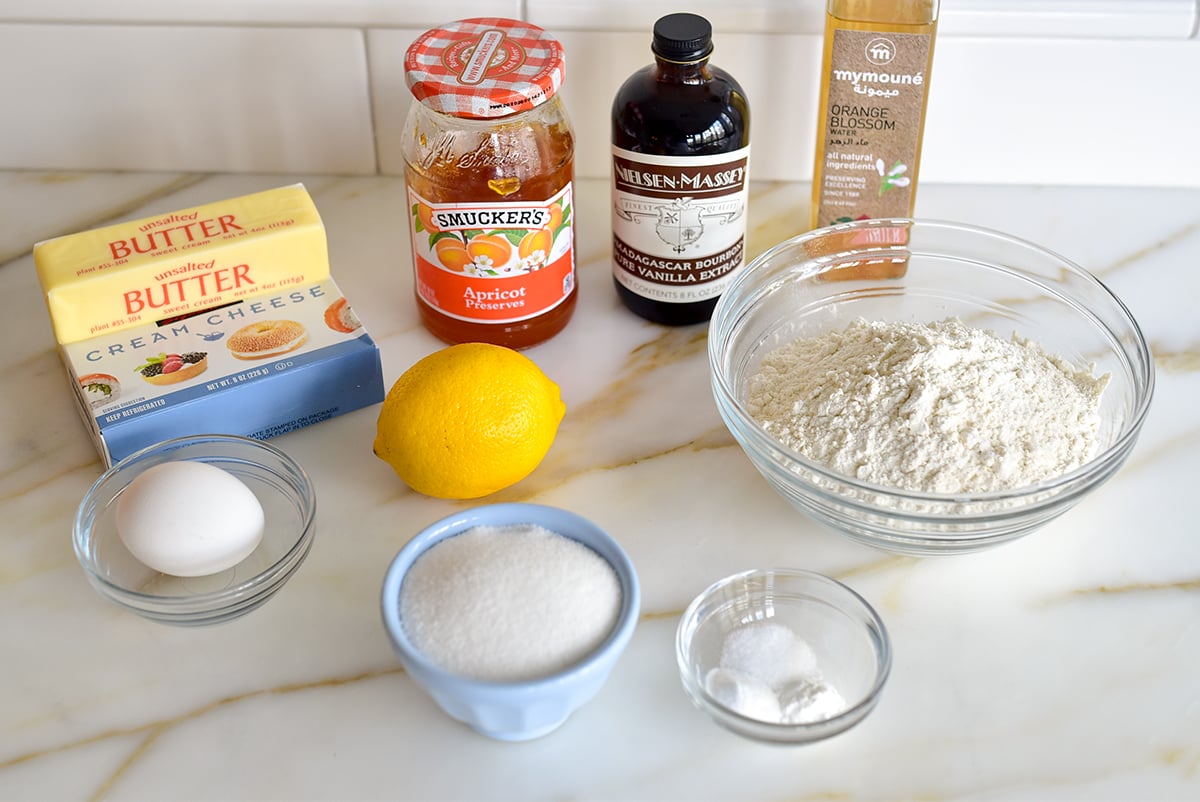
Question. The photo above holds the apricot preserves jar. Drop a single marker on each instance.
(489, 166)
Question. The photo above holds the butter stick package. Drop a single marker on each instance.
(245, 333)
(124, 275)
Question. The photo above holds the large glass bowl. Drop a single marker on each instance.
(920, 272)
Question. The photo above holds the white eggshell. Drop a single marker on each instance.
(189, 518)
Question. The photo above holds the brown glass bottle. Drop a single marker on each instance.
(680, 141)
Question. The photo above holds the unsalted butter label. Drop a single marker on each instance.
(129, 274)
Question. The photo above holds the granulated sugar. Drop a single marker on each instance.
(769, 651)
(935, 408)
(509, 603)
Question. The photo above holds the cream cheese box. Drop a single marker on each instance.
(257, 366)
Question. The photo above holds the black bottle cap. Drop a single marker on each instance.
(682, 37)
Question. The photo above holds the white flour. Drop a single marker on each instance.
(935, 408)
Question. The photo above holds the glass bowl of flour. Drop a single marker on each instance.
(928, 387)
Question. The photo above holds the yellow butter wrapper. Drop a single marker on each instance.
(157, 268)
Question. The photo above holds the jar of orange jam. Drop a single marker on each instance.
(489, 164)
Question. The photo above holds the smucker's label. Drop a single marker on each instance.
(493, 262)
(679, 223)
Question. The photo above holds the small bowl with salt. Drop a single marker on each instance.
(783, 656)
(928, 387)
(511, 616)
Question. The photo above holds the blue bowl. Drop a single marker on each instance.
(514, 711)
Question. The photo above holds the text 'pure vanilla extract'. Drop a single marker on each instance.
(680, 153)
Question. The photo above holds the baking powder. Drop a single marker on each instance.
(767, 672)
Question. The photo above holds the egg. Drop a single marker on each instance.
(189, 518)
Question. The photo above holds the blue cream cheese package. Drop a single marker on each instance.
(282, 352)
(259, 367)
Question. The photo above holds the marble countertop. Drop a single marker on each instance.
(1058, 667)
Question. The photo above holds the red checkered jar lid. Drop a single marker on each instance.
(484, 67)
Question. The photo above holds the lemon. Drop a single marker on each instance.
(468, 420)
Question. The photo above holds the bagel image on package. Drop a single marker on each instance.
(266, 339)
(214, 320)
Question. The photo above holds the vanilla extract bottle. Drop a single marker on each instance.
(680, 153)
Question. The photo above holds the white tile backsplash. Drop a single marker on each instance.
(1072, 19)
(1022, 91)
(1119, 19)
(324, 13)
(389, 93)
(193, 98)
(1059, 111)
(1069, 18)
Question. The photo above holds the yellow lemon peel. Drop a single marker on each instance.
(468, 420)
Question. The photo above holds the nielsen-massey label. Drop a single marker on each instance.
(679, 223)
(872, 124)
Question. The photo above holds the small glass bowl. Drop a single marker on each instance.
(920, 272)
(514, 711)
(288, 501)
(848, 640)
